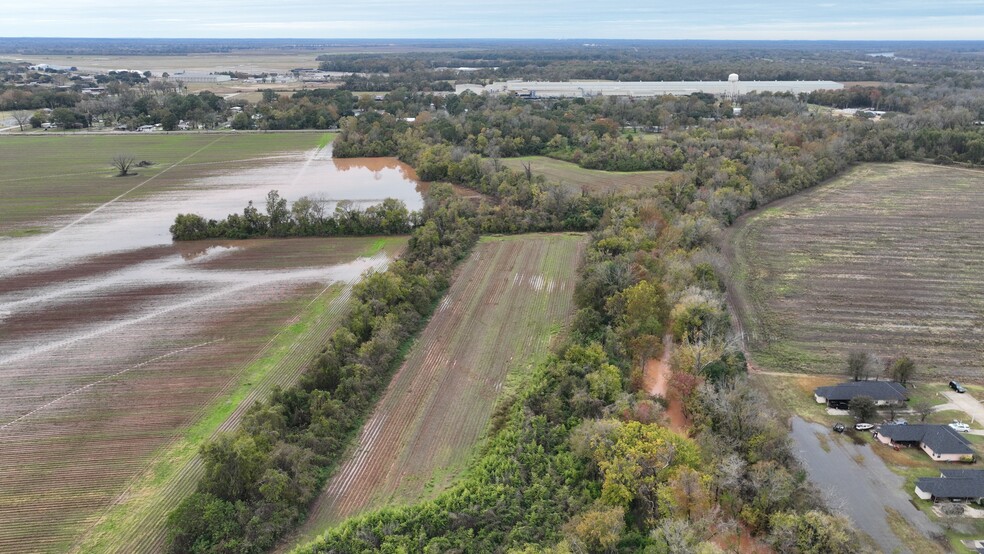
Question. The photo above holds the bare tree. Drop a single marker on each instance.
(923, 408)
(21, 117)
(122, 163)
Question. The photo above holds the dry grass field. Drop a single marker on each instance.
(506, 305)
(888, 259)
(592, 181)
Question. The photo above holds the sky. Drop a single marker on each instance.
(625, 19)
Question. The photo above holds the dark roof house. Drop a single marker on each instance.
(953, 485)
(940, 442)
(883, 393)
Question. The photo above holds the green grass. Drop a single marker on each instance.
(382, 243)
(326, 139)
(149, 498)
(591, 180)
(47, 176)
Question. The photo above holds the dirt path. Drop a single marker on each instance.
(656, 380)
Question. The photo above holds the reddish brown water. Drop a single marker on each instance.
(112, 338)
(128, 225)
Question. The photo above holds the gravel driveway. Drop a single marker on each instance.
(857, 483)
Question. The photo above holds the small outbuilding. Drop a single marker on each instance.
(940, 442)
(884, 393)
(953, 485)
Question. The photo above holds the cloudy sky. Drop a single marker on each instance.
(639, 19)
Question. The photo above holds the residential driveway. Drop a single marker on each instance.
(968, 404)
(856, 483)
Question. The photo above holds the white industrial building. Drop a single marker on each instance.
(578, 89)
(188, 77)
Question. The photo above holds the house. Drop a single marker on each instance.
(940, 442)
(953, 485)
(884, 393)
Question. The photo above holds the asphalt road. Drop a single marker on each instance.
(857, 483)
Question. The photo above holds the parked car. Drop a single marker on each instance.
(959, 427)
(899, 421)
(863, 426)
(839, 427)
(957, 387)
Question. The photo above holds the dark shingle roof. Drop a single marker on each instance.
(878, 390)
(941, 487)
(962, 473)
(941, 438)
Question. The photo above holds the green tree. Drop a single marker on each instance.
(812, 532)
(863, 408)
(242, 122)
(233, 466)
(902, 369)
(596, 530)
(857, 365)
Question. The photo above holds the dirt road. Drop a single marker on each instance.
(656, 379)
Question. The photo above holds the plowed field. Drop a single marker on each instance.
(110, 378)
(887, 259)
(507, 303)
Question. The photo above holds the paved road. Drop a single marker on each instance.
(859, 490)
(967, 403)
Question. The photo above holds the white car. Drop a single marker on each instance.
(863, 426)
(960, 427)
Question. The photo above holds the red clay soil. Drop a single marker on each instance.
(656, 379)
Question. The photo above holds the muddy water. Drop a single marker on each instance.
(127, 225)
(60, 293)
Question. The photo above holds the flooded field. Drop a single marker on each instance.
(116, 345)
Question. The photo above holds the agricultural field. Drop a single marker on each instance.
(44, 177)
(888, 259)
(592, 181)
(508, 302)
(112, 376)
(121, 352)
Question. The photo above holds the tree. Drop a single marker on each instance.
(122, 163)
(812, 532)
(22, 118)
(597, 530)
(923, 408)
(857, 365)
(901, 369)
(863, 408)
(242, 122)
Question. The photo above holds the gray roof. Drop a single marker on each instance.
(963, 473)
(942, 487)
(878, 390)
(941, 438)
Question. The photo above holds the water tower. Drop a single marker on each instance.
(733, 81)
